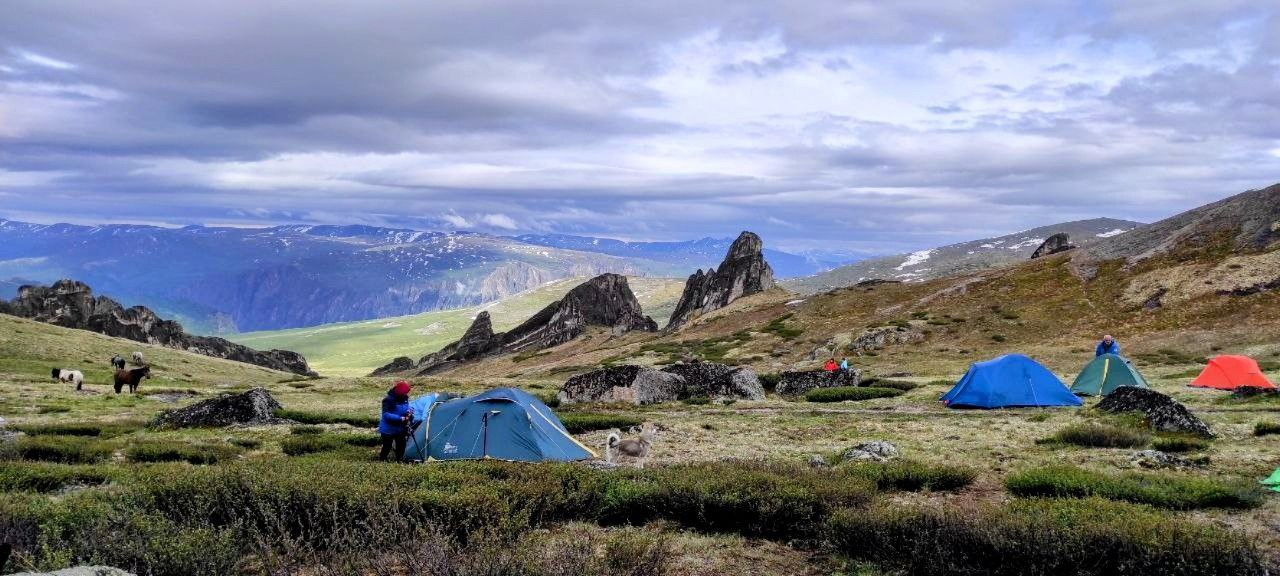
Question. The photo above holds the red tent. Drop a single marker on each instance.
(1231, 372)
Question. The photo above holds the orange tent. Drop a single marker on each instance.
(1231, 372)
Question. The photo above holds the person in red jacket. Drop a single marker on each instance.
(831, 365)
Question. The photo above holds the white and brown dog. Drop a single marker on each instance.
(634, 451)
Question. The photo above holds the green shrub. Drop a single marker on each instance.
(778, 327)
(247, 443)
(902, 385)
(305, 429)
(1177, 492)
(1095, 435)
(910, 476)
(579, 422)
(310, 443)
(1266, 428)
(37, 477)
(842, 393)
(62, 449)
(303, 417)
(363, 440)
(1180, 444)
(168, 451)
(941, 383)
(998, 337)
(1038, 417)
(74, 429)
(770, 381)
(551, 399)
(1040, 537)
(53, 410)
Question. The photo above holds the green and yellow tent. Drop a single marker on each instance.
(1273, 482)
(1105, 374)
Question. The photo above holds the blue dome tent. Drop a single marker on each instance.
(500, 424)
(1008, 381)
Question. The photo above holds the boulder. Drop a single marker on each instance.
(742, 273)
(605, 301)
(717, 380)
(254, 407)
(634, 384)
(817, 461)
(875, 450)
(797, 383)
(1251, 391)
(1162, 412)
(877, 338)
(79, 571)
(71, 304)
(400, 364)
(1060, 242)
(1156, 459)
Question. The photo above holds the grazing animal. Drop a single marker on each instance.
(634, 451)
(72, 376)
(117, 362)
(137, 359)
(131, 377)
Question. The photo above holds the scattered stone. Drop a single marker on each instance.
(254, 407)
(629, 383)
(873, 339)
(1155, 300)
(1156, 459)
(79, 571)
(1162, 412)
(797, 383)
(1251, 391)
(71, 304)
(742, 273)
(600, 465)
(605, 300)
(170, 397)
(875, 450)
(400, 364)
(1060, 242)
(817, 461)
(715, 380)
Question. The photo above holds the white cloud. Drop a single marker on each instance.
(499, 221)
(42, 60)
(456, 220)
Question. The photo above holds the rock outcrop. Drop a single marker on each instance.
(874, 450)
(605, 300)
(797, 383)
(873, 339)
(1156, 459)
(254, 407)
(1060, 242)
(1161, 412)
(71, 304)
(718, 380)
(634, 384)
(400, 364)
(742, 273)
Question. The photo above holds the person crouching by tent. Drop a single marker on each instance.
(394, 424)
(830, 366)
(1108, 345)
(844, 364)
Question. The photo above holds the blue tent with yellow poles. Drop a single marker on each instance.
(500, 424)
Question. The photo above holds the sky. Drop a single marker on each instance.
(849, 126)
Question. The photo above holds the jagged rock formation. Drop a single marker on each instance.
(1060, 242)
(71, 304)
(742, 273)
(400, 364)
(1162, 412)
(605, 300)
(635, 384)
(877, 338)
(718, 380)
(797, 383)
(253, 407)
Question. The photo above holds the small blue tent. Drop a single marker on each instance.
(1008, 381)
(501, 424)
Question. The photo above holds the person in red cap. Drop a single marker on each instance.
(394, 424)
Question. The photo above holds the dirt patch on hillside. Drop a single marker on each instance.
(1238, 274)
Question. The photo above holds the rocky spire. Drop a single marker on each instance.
(1060, 242)
(744, 272)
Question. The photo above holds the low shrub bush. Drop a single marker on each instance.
(363, 440)
(579, 422)
(1163, 490)
(551, 399)
(247, 443)
(311, 443)
(842, 393)
(1175, 444)
(1091, 537)
(37, 477)
(61, 449)
(907, 475)
(305, 429)
(1266, 428)
(769, 381)
(1096, 435)
(303, 417)
(165, 451)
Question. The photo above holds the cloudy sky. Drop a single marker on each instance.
(852, 125)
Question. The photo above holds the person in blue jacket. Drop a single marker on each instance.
(394, 424)
(1108, 345)
(844, 364)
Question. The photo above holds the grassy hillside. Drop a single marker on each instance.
(357, 348)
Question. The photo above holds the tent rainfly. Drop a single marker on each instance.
(1229, 372)
(500, 424)
(1106, 373)
(1009, 381)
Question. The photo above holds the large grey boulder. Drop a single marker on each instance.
(742, 273)
(633, 384)
(797, 383)
(878, 338)
(253, 407)
(874, 450)
(716, 380)
(400, 364)
(1060, 242)
(1156, 459)
(1161, 412)
(71, 304)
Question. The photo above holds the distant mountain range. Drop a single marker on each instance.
(222, 280)
(960, 258)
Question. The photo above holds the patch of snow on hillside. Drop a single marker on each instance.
(1110, 233)
(1025, 244)
(429, 329)
(988, 246)
(915, 258)
(392, 325)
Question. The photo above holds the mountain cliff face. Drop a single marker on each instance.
(742, 273)
(71, 304)
(605, 300)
